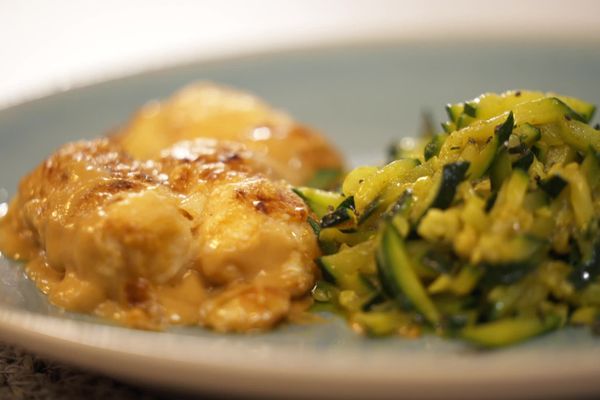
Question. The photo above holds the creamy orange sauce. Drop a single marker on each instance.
(200, 233)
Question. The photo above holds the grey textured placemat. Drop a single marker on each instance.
(26, 376)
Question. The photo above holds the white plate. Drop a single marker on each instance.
(363, 97)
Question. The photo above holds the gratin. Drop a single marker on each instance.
(160, 225)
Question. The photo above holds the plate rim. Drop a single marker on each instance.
(24, 326)
(50, 336)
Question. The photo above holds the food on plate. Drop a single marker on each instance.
(294, 152)
(184, 217)
(487, 231)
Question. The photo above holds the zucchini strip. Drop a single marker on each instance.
(398, 276)
(508, 331)
(321, 202)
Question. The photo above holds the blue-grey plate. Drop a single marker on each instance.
(363, 97)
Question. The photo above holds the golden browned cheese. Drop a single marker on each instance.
(198, 235)
(293, 151)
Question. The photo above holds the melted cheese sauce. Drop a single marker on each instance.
(197, 236)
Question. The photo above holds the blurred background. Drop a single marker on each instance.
(53, 45)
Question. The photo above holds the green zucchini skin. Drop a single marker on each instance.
(503, 131)
(454, 111)
(326, 270)
(347, 203)
(470, 108)
(398, 276)
(452, 175)
(504, 274)
(433, 147)
(319, 201)
(507, 331)
(500, 169)
(523, 251)
(553, 186)
(528, 134)
(524, 162)
(481, 164)
(448, 127)
(315, 226)
(343, 217)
